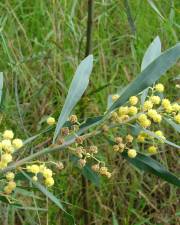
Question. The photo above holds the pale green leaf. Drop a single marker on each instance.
(76, 90)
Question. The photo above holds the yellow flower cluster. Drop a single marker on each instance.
(44, 171)
(7, 147)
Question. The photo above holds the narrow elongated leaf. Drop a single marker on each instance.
(148, 164)
(154, 7)
(173, 124)
(149, 75)
(1, 85)
(76, 90)
(152, 52)
(48, 194)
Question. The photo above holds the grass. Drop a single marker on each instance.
(41, 45)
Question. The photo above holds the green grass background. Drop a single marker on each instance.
(41, 44)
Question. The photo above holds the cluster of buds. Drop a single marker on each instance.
(38, 170)
(7, 147)
(125, 144)
(102, 170)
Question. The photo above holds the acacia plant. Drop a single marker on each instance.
(140, 111)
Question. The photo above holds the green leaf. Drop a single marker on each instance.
(148, 164)
(1, 85)
(152, 52)
(152, 4)
(76, 90)
(48, 194)
(149, 75)
(173, 124)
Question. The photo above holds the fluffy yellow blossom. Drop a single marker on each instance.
(157, 118)
(152, 113)
(8, 134)
(17, 143)
(1, 145)
(51, 121)
(147, 105)
(7, 190)
(132, 153)
(129, 138)
(175, 107)
(6, 158)
(115, 97)
(142, 117)
(47, 173)
(145, 123)
(133, 100)
(155, 99)
(123, 110)
(6, 144)
(177, 118)
(34, 178)
(160, 134)
(159, 87)
(12, 185)
(152, 149)
(140, 138)
(49, 181)
(10, 176)
(3, 165)
(34, 169)
(132, 110)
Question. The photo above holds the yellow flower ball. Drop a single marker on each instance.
(147, 105)
(49, 181)
(140, 138)
(10, 176)
(152, 150)
(115, 97)
(159, 87)
(17, 143)
(7, 190)
(132, 110)
(152, 113)
(1, 146)
(34, 178)
(123, 110)
(145, 123)
(51, 121)
(155, 99)
(160, 134)
(166, 103)
(6, 158)
(142, 117)
(47, 173)
(8, 134)
(3, 165)
(132, 153)
(12, 185)
(177, 118)
(175, 107)
(157, 118)
(133, 100)
(34, 169)
(6, 144)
